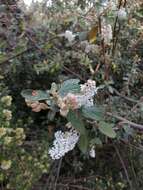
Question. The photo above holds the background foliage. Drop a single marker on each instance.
(32, 55)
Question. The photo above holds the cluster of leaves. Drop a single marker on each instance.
(22, 161)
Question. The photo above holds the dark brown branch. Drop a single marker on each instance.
(115, 34)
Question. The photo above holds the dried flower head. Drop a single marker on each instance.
(106, 33)
(36, 105)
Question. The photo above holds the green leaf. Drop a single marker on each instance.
(139, 14)
(76, 122)
(83, 143)
(107, 129)
(69, 86)
(82, 36)
(35, 95)
(93, 112)
(128, 129)
(96, 141)
(3, 57)
(3, 8)
(141, 107)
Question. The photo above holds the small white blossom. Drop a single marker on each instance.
(88, 90)
(84, 100)
(122, 14)
(92, 152)
(107, 5)
(106, 32)
(104, 3)
(69, 35)
(113, 5)
(63, 143)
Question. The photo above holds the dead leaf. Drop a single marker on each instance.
(92, 35)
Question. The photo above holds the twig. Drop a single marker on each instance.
(16, 55)
(34, 43)
(116, 40)
(106, 74)
(125, 97)
(135, 106)
(125, 121)
(82, 178)
(123, 165)
(28, 49)
(73, 73)
(133, 168)
(125, 2)
(115, 35)
(135, 147)
(74, 186)
(2, 186)
(49, 177)
(58, 173)
(97, 67)
(90, 9)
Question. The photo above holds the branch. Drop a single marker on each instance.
(73, 186)
(116, 33)
(125, 97)
(73, 73)
(125, 121)
(58, 173)
(28, 49)
(123, 165)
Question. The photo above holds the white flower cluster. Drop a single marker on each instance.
(106, 32)
(63, 143)
(122, 14)
(69, 35)
(107, 5)
(88, 90)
